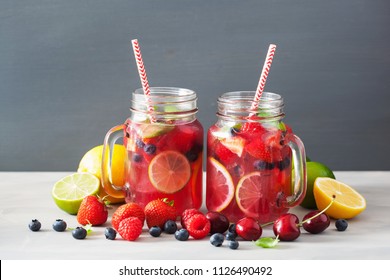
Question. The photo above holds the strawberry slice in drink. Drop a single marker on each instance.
(228, 150)
(234, 144)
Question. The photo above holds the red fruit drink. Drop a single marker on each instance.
(249, 164)
(164, 150)
(165, 164)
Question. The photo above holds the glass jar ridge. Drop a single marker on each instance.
(238, 105)
(166, 103)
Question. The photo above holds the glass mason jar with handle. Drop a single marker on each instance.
(164, 143)
(256, 166)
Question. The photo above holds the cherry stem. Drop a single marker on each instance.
(319, 213)
(267, 224)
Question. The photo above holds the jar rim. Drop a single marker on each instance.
(165, 94)
(248, 96)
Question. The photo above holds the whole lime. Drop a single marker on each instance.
(314, 170)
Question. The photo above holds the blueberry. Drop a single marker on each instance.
(232, 228)
(110, 233)
(341, 224)
(170, 227)
(136, 157)
(284, 163)
(234, 130)
(59, 225)
(238, 171)
(231, 235)
(263, 165)
(155, 231)
(150, 149)
(139, 143)
(79, 233)
(34, 225)
(182, 234)
(217, 239)
(191, 156)
(233, 244)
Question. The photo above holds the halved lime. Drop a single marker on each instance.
(70, 190)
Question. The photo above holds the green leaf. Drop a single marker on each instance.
(88, 228)
(267, 242)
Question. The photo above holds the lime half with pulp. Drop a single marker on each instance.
(70, 190)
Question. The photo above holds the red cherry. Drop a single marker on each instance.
(317, 224)
(287, 227)
(219, 222)
(249, 229)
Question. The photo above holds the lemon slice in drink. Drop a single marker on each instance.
(220, 188)
(347, 204)
(70, 190)
(250, 193)
(169, 171)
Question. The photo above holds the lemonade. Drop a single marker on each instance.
(163, 150)
(249, 164)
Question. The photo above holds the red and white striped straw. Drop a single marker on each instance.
(263, 76)
(142, 74)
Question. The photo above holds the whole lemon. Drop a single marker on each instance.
(313, 170)
(91, 162)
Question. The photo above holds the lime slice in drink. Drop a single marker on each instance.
(220, 191)
(169, 171)
(70, 190)
(153, 130)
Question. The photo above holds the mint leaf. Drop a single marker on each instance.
(267, 242)
(88, 228)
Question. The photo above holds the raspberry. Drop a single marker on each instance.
(188, 213)
(198, 226)
(130, 228)
(124, 211)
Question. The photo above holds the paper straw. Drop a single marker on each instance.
(263, 76)
(142, 74)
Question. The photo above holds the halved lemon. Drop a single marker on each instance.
(347, 204)
(169, 171)
(220, 186)
(69, 192)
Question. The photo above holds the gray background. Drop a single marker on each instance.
(67, 71)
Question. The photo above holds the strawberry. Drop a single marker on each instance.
(158, 211)
(92, 211)
(224, 155)
(130, 228)
(234, 144)
(258, 149)
(251, 128)
(198, 226)
(188, 213)
(124, 211)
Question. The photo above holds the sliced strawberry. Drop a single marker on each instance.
(224, 155)
(234, 144)
(182, 138)
(249, 129)
(259, 150)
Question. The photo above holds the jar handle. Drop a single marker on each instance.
(299, 160)
(108, 149)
